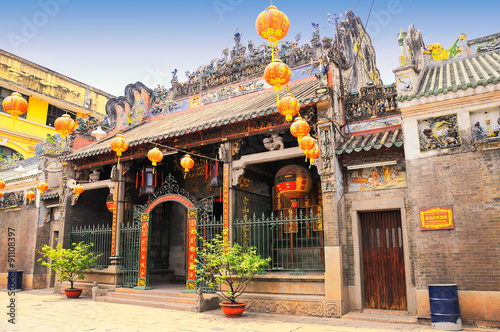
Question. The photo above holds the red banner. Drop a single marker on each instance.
(192, 249)
(436, 218)
(113, 232)
(225, 204)
(144, 249)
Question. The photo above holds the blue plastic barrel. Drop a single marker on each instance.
(15, 280)
(445, 308)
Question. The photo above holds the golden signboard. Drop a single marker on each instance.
(436, 218)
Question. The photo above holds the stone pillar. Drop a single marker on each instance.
(119, 200)
(332, 222)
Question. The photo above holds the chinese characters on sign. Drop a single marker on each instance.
(436, 218)
(113, 233)
(144, 247)
(226, 201)
(192, 249)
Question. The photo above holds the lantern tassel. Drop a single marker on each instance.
(142, 178)
(272, 51)
(155, 176)
(136, 179)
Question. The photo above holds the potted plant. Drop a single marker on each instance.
(69, 264)
(228, 270)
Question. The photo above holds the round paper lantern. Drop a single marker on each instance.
(42, 186)
(277, 74)
(187, 163)
(155, 155)
(293, 182)
(299, 128)
(15, 105)
(110, 202)
(289, 106)
(30, 195)
(2, 184)
(119, 145)
(272, 24)
(1, 194)
(78, 190)
(65, 125)
(312, 153)
(307, 143)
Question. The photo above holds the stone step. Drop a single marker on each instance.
(173, 298)
(173, 293)
(383, 316)
(148, 303)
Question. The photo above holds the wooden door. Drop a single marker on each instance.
(383, 260)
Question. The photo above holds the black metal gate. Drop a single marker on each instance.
(130, 245)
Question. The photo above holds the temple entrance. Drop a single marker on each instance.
(167, 246)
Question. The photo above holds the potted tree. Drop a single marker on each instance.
(228, 270)
(69, 264)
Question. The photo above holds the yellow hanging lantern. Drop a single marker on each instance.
(187, 163)
(272, 25)
(155, 155)
(30, 195)
(119, 145)
(2, 184)
(78, 190)
(42, 186)
(15, 105)
(65, 125)
(289, 106)
(299, 128)
(277, 74)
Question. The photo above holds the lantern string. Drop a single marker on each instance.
(186, 152)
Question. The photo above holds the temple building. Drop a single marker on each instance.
(402, 193)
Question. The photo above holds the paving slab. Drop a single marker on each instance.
(42, 310)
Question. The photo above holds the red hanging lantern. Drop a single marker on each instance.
(277, 74)
(110, 202)
(30, 195)
(155, 155)
(2, 184)
(65, 125)
(42, 186)
(293, 182)
(289, 106)
(187, 163)
(78, 190)
(1, 194)
(15, 105)
(119, 145)
(312, 153)
(307, 143)
(272, 24)
(299, 128)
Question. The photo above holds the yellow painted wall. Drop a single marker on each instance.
(23, 135)
(50, 83)
(37, 110)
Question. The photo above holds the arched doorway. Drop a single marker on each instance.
(158, 241)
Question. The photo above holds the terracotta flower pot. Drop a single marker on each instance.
(73, 293)
(232, 309)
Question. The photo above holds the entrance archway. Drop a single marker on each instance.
(169, 192)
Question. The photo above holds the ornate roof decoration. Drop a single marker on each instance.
(461, 74)
(233, 111)
(371, 101)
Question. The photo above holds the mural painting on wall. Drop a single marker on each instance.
(378, 177)
(440, 132)
(485, 125)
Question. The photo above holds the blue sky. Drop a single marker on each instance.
(108, 44)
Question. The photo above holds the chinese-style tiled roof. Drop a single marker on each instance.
(373, 140)
(453, 75)
(204, 117)
(49, 194)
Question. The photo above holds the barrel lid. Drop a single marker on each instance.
(442, 285)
